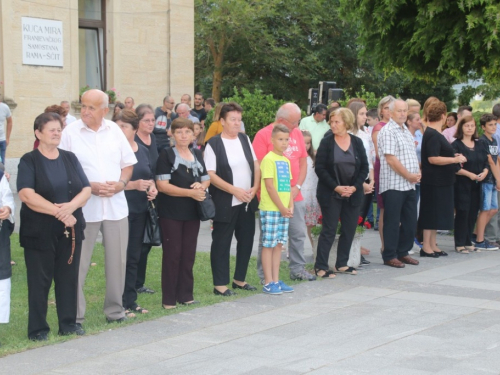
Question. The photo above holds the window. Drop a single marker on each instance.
(92, 41)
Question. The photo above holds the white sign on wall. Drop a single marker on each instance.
(42, 42)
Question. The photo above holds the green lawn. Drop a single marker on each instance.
(13, 336)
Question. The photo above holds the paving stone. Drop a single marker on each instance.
(442, 317)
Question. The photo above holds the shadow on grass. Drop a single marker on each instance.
(13, 336)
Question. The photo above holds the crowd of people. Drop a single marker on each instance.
(427, 169)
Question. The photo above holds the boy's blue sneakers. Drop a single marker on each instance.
(272, 288)
(485, 245)
(284, 288)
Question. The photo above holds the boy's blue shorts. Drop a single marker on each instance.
(490, 200)
(274, 228)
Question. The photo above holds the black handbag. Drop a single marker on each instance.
(206, 207)
(152, 235)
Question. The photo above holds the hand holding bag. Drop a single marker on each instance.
(152, 234)
(206, 207)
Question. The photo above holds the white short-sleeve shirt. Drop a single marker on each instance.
(4, 115)
(102, 154)
(242, 174)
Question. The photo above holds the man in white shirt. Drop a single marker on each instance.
(107, 160)
(69, 118)
(399, 172)
(5, 129)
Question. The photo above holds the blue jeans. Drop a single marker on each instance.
(489, 197)
(3, 148)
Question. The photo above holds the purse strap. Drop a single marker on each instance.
(197, 178)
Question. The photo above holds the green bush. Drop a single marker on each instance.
(259, 110)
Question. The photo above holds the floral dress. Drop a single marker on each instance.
(313, 211)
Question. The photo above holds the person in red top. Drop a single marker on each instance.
(289, 115)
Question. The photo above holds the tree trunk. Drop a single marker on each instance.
(216, 85)
(218, 56)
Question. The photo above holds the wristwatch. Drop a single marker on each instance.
(299, 187)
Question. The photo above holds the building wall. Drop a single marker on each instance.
(150, 54)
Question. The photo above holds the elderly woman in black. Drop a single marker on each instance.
(146, 138)
(342, 167)
(440, 163)
(234, 174)
(467, 185)
(53, 188)
(138, 191)
(182, 179)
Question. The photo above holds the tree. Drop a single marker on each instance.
(429, 38)
(219, 25)
(284, 47)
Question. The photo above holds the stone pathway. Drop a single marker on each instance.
(441, 317)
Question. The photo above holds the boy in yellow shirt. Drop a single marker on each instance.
(276, 209)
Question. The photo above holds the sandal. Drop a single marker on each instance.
(129, 314)
(326, 275)
(140, 310)
(471, 249)
(346, 270)
(461, 250)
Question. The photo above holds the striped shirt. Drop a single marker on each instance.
(398, 141)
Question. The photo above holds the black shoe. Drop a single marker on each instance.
(431, 255)
(244, 287)
(143, 289)
(42, 336)
(78, 330)
(442, 254)
(375, 227)
(190, 303)
(227, 293)
(364, 261)
(120, 320)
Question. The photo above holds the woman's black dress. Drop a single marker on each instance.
(436, 186)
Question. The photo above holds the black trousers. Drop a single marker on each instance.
(465, 219)
(242, 224)
(365, 206)
(42, 267)
(142, 266)
(337, 209)
(400, 222)
(179, 239)
(136, 224)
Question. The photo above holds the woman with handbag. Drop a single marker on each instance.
(234, 174)
(138, 191)
(146, 137)
(182, 180)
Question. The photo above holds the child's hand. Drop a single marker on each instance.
(286, 212)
